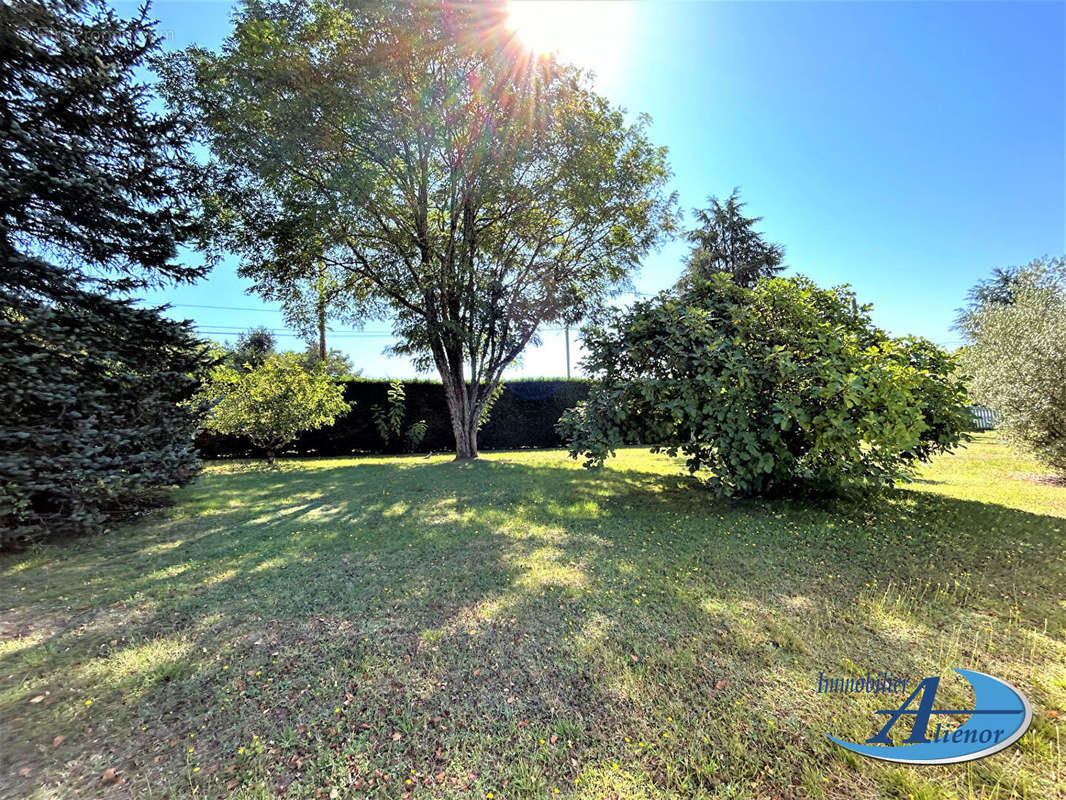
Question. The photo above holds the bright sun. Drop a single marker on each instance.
(589, 33)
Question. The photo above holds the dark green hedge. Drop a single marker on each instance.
(524, 416)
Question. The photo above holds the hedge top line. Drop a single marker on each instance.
(433, 382)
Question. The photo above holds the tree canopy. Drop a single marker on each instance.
(89, 178)
(783, 388)
(1016, 355)
(443, 176)
(726, 242)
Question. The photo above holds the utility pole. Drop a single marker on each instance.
(322, 312)
(566, 333)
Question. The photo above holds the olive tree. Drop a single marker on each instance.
(1016, 357)
(417, 160)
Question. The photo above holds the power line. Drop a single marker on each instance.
(225, 308)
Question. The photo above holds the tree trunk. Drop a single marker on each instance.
(465, 428)
(464, 420)
(322, 336)
(465, 442)
(321, 314)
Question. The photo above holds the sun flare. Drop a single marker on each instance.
(590, 33)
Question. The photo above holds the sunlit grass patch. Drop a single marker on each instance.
(400, 626)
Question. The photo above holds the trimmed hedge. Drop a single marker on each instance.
(524, 416)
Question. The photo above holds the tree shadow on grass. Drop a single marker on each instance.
(505, 626)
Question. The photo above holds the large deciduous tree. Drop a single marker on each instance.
(93, 389)
(441, 175)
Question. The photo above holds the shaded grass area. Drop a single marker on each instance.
(520, 627)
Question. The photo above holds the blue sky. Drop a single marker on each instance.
(904, 148)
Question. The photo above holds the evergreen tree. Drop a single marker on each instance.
(726, 241)
(253, 346)
(998, 290)
(92, 201)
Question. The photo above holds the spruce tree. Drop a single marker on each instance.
(95, 391)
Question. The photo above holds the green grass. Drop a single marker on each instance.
(520, 627)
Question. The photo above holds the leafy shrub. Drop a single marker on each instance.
(96, 414)
(415, 434)
(1017, 356)
(273, 402)
(388, 419)
(781, 388)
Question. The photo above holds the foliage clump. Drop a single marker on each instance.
(388, 419)
(273, 402)
(96, 417)
(1016, 354)
(784, 388)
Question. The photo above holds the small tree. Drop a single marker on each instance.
(336, 364)
(1016, 355)
(273, 402)
(389, 419)
(726, 242)
(783, 388)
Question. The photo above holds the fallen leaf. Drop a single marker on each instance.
(37, 699)
(25, 772)
(58, 740)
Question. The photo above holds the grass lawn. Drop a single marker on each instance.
(520, 627)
